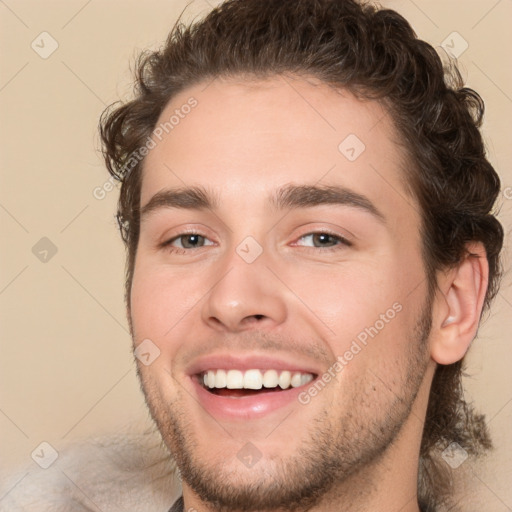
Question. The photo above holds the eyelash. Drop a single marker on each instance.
(340, 242)
(167, 245)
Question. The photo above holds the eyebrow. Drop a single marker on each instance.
(287, 197)
(306, 196)
(189, 198)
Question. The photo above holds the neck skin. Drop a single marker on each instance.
(388, 484)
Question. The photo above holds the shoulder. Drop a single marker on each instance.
(129, 471)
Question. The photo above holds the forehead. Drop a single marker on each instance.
(240, 135)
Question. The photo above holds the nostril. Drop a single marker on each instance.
(253, 319)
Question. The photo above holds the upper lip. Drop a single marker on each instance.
(248, 362)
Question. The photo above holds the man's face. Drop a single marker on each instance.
(286, 253)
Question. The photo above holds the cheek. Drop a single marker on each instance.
(345, 300)
(161, 301)
(162, 307)
(364, 303)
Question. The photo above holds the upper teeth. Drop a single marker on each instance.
(254, 379)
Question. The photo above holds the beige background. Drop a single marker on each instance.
(65, 368)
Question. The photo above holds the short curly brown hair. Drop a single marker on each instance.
(375, 54)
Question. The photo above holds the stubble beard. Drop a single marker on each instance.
(332, 451)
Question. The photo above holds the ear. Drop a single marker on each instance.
(458, 305)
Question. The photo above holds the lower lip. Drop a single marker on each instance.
(246, 407)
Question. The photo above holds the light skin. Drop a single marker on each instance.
(328, 269)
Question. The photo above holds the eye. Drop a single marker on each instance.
(321, 240)
(189, 241)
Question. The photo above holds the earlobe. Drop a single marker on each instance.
(458, 306)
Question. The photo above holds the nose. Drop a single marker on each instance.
(246, 296)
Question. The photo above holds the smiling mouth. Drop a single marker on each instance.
(238, 383)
